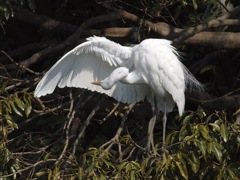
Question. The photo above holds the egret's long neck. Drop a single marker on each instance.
(122, 74)
(117, 75)
(133, 78)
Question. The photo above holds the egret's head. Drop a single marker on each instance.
(117, 75)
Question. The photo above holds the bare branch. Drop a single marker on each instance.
(214, 103)
(211, 24)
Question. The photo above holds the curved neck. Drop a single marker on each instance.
(117, 75)
(122, 74)
(133, 78)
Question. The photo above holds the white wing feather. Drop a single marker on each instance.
(91, 61)
(163, 72)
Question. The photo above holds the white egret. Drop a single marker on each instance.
(149, 70)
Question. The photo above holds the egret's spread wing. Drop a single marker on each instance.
(106, 50)
(91, 61)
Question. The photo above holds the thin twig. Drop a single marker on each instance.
(86, 123)
(110, 113)
(28, 167)
(115, 139)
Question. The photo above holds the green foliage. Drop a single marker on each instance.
(11, 106)
(15, 104)
(202, 147)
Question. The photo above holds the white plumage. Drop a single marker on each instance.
(147, 70)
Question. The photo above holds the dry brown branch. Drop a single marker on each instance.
(17, 64)
(30, 166)
(115, 139)
(71, 116)
(214, 39)
(110, 113)
(190, 32)
(25, 49)
(70, 41)
(210, 102)
(219, 40)
(86, 123)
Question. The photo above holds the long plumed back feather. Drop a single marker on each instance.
(190, 81)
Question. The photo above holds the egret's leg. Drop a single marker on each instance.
(151, 126)
(164, 126)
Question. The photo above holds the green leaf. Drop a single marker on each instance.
(182, 169)
(28, 109)
(46, 156)
(107, 163)
(4, 132)
(170, 138)
(195, 5)
(15, 109)
(6, 107)
(200, 112)
(224, 132)
(80, 173)
(238, 139)
(12, 124)
(183, 132)
(210, 147)
(187, 119)
(217, 151)
(202, 145)
(216, 128)
(122, 166)
(8, 117)
(136, 164)
(237, 112)
(49, 174)
(206, 69)
(195, 163)
(231, 174)
(19, 103)
(205, 132)
(3, 86)
(41, 173)
(132, 174)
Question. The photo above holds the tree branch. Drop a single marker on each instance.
(214, 103)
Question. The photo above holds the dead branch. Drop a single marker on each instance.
(70, 41)
(115, 139)
(86, 123)
(211, 102)
(25, 49)
(186, 34)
